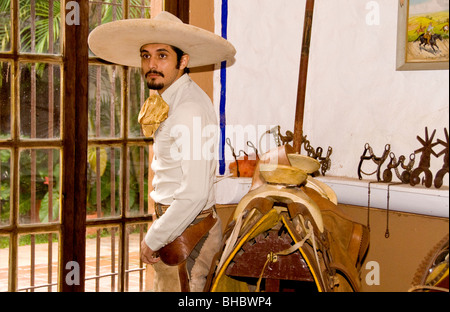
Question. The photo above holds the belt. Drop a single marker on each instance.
(160, 209)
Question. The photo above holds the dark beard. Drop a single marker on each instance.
(155, 86)
(151, 84)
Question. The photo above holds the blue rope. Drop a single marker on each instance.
(223, 89)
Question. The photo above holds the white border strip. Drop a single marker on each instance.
(402, 197)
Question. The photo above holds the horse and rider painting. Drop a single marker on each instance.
(427, 31)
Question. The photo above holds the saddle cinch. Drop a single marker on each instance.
(288, 234)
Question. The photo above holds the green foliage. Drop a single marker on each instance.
(41, 183)
(42, 42)
(45, 204)
(106, 179)
(42, 19)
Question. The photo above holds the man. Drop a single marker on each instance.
(182, 120)
(429, 32)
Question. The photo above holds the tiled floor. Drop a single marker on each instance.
(105, 284)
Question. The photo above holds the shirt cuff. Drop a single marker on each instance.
(151, 240)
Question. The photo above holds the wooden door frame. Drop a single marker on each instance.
(75, 140)
(179, 8)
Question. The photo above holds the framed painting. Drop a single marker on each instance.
(422, 35)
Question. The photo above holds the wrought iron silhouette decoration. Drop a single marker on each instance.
(369, 155)
(316, 153)
(394, 164)
(410, 175)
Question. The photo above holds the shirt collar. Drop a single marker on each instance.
(169, 94)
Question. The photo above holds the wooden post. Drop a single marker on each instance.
(179, 8)
(303, 71)
(75, 140)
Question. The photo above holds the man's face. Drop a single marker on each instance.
(159, 66)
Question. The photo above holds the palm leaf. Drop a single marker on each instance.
(42, 19)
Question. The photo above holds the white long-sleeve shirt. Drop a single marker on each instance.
(184, 161)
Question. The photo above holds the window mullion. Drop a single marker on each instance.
(123, 246)
(13, 251)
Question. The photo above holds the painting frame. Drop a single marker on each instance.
(404, 59)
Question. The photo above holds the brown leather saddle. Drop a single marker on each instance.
(332, 257)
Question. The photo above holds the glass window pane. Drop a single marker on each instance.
(40, 26)
(105, 11)
(5, 99)
(102, 259)
(38, 262)
(137, 181)
(39, 185)
(138, 93)
(104, 101)
(40, 93)
(4, 263)
(5, 186)
(101, 12)
(137, 278)
(103, 182)
(139, 9)
(5, 22)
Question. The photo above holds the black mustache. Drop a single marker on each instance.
(154, 72)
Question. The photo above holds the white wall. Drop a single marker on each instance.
(262, 84)
(354, 94)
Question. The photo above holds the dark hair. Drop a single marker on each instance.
(180, 53)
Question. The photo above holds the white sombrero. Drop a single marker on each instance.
(119, 41)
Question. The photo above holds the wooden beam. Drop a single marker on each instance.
(303, 72)
(75, 138)
(179, 8)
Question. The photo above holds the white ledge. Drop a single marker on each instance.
(230, 190)
(402, 197)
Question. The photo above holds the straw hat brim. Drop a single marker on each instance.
(120, 41)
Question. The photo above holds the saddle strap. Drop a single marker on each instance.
(179, 250)
(354, 246)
